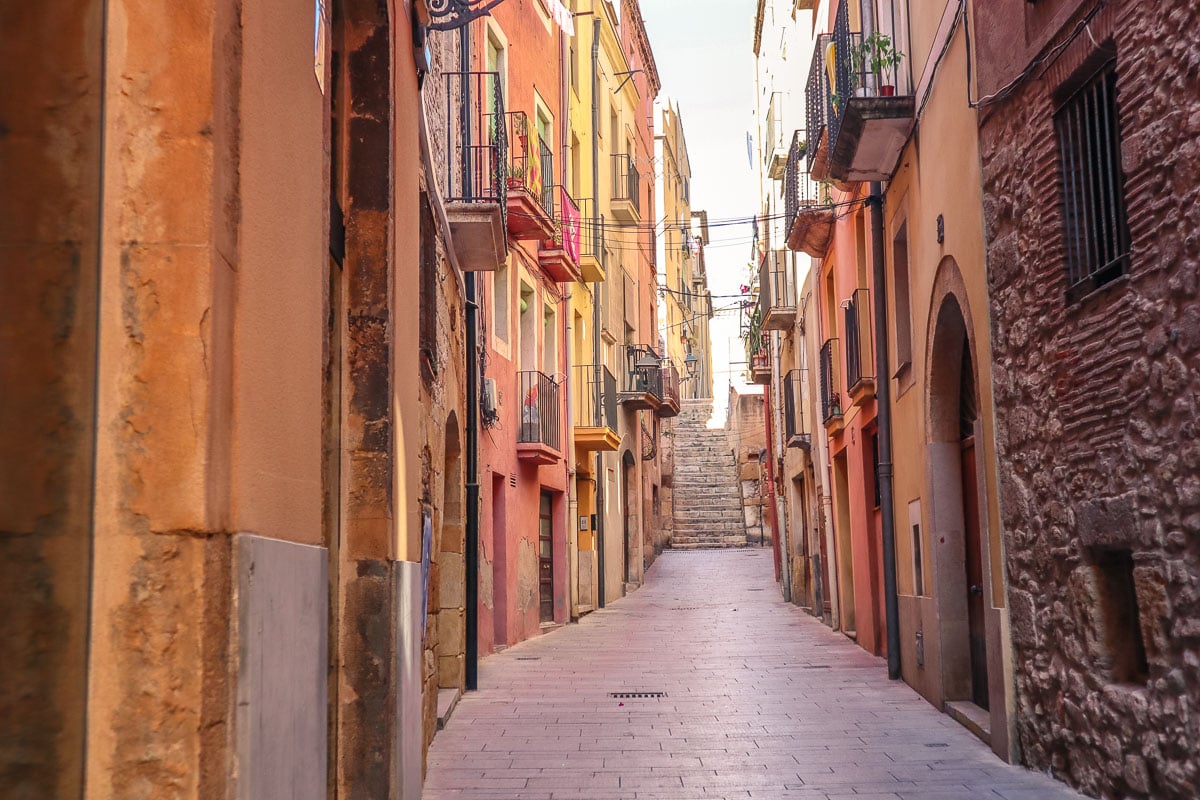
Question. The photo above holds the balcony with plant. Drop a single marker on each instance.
(529, 181)
(860, 98)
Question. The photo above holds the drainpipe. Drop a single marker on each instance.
(471, 556)
(777, 421)
(883, 414)
(596, 299)
(769, 499)
(883, 393)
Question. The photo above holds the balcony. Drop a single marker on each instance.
(860, 361)
(559, 256)
(530, 181)
(760, 367)
(816, 110)
(808, 206)
(775, 146)
(626, 190)
(795, 432)
(476, 170)
(538, 428)
(594, 408)
(591, 242)
(670, 391)
(777, 291)
(868, 119)
(643, 378)
(831, 386)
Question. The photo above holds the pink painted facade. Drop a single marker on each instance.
(522, 467)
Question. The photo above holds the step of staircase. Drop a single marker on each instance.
(708, 510)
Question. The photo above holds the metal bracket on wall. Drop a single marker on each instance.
(447, 15)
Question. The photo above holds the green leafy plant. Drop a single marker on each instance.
(878, 52)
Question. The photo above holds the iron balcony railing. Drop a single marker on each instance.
(776, 284)
(775, 143)
(626, 180)
(860, 365)
(831, 381)
(530, 161)
(548, 185)
(816, 98)
(643, 373)
(848, 76)
(539, 409)
(796, 433)
(591, 224)
(565, 210)
(476, 139)
(595, 403)
(800, 191)
(670, 382)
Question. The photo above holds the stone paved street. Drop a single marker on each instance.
(762, 701)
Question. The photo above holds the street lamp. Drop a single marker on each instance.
(690, 363)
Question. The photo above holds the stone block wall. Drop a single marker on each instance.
(1098, 422)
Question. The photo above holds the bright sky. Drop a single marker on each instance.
(704, 53)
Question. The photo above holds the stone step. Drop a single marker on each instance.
(707, 545)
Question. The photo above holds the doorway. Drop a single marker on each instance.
(628, 521)
(546, 557)
(499, 560)
(960, 568)
(845, 558)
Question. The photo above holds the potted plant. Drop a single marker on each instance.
(516, 176)
(878, 51)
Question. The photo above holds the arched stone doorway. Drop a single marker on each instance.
(954, 481)
(449, 647)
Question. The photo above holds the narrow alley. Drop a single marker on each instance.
(759, 700)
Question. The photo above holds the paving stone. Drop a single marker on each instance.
(744, 716)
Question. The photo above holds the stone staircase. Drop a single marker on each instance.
(707, 501)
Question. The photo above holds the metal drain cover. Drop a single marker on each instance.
(529, 658)
(636, 695)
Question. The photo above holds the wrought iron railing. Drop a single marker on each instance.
(670, 382)
(831, 383)
(591, 238)
(860, 365)
(477, 139)
(800, 191)
(546, 158)
(849, 75)
(794, 427)
(776, 284)
(816, 98)
(539, 421)
(643, 370)
(626, 180)
(595, 404)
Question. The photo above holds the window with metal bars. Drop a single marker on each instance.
(1096, 234)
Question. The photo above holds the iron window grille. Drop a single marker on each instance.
(1095, 228)
(796, 433)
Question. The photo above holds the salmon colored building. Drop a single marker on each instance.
(524, 439)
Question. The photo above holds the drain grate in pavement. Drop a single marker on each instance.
(636, 695)
(815, 666)
(529, 658)
(754, 590)
(936, 744)
(686, 608)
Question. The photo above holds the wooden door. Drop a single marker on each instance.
(974, 558)
(546, 557)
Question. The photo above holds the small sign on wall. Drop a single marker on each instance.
(320, 36)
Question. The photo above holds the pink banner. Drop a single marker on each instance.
(570, 224)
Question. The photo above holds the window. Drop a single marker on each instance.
(902, 312)
(549, 341)
(918, 565)
(1119, 619)
(1095, 232)
(528, 328)
(427, 322)
(500, 302)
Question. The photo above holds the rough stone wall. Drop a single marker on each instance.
(443, 425)
(1098, 423)
(49, 207)
(746, 423)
